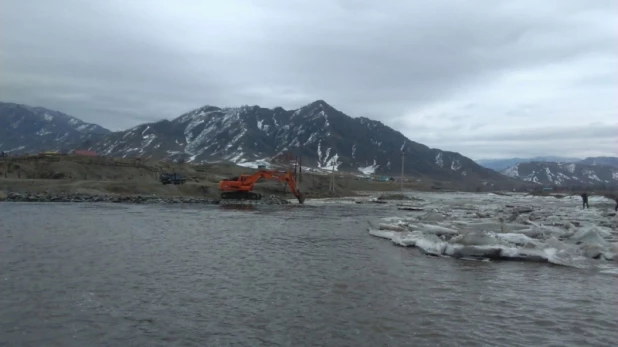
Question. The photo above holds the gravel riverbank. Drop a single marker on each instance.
(48, 197)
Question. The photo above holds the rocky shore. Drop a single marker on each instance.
(49, 197)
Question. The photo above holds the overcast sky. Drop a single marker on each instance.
(486, 78)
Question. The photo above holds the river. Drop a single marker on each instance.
(161, 275)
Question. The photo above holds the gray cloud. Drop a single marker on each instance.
(476, 77)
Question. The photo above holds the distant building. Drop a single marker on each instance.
(84, 153)
(547, 189)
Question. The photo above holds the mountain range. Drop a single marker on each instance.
(324, 137)
(559, 171)
(565, 174)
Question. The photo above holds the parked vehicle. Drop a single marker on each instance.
(173, 178)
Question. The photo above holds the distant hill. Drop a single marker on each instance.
(502, 164)
(607, 161)
(26, 129)
(564, 174)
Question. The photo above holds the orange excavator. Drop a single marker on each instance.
(240, 188)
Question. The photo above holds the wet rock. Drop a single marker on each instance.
(512, 217)
(397, 197)
(14, 197)
(391, 227)
(476, 252)
(523, 210)
(433, 217)
(274, 200)
(522, 219)
(410, 208)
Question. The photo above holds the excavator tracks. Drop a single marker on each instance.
(241, 196)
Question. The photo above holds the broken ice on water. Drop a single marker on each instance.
(509, 227)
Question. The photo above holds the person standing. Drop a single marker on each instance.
(585, 200)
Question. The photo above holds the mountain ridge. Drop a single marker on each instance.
(26, 128)
(325, 138)
(564, 174)
(502, 164)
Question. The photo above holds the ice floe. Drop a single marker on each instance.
(517, 227)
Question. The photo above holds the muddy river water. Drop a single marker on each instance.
(162, 275)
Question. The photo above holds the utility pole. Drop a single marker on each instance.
(403, 155)
(296, 169)
(300, 169)
(332, 179)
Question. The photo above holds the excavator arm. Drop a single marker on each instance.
(240, 187)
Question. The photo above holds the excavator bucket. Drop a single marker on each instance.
(300, 197)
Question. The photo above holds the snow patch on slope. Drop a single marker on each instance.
(369, 170)
(439, 160)
(254, 164)
(455, 165)
(592, 175)
(513, 171)
(571, 167)
(325, 160)
(43, 132)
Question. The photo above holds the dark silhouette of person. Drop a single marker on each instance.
(585, 200)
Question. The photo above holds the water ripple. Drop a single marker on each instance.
(77, 275)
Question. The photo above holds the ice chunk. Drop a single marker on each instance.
(518, 239)
(385, 234)
(431, 244)
(591, 236)
(437, 230)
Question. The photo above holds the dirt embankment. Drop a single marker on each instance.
(115, 176)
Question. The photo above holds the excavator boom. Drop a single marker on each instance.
(241, 187)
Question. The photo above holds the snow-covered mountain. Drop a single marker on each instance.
(564, 174)
(503, 164)
(31, 129)
(325, 138)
